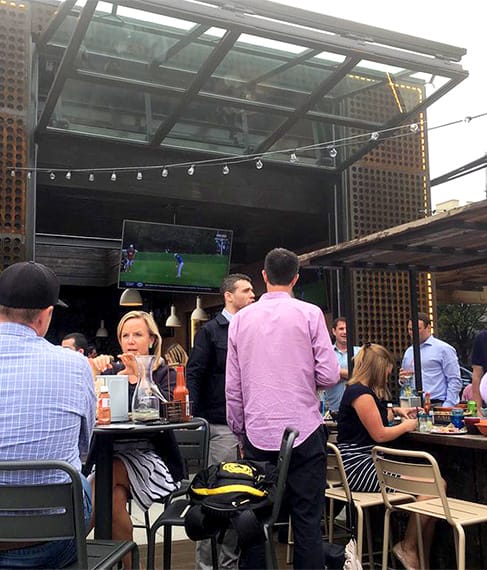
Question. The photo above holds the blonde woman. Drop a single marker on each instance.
(157, 458)
(363, 421)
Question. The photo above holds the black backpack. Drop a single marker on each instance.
(231, 493)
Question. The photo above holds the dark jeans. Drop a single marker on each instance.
(304, 496)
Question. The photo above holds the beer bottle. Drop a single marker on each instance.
(427, 403)
(104, 413)
(181, 393)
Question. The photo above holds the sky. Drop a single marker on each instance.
(461, 24)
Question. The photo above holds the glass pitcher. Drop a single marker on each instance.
(145, 401)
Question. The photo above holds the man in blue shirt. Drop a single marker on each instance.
(440, 370)
(334, 394)
(179, 265)
(48, 400)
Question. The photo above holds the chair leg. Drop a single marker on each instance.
(331, 525)
(360, 531)
(214, 553)
(420, 541)
(151, 548)
(460, 546)
(290, 543)
(386, 538)
(270, 553)
(370, 545)
(166, 564)
(135, 559)
(147, 524)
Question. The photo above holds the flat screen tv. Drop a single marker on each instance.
(169, 257)
(312, 286)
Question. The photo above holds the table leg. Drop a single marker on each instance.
(103, 488)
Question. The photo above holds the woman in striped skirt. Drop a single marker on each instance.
(363, 421)
(145, 470)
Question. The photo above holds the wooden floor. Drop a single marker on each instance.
(183, 556)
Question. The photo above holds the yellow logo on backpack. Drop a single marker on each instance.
(237, 468)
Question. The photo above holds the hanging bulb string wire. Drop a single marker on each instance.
(384, 134)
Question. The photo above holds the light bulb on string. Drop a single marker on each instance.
(52, 176)
(293, 158)
(165, 172)
(12, 173)
(467, 120)
(259, 164)
(191, 170)
(374, 136)
(139, 175)
(332, 151)
(113, 177)
(68, 175)
(414, 127)
(225, 169)
(91, 177)
(29, 175)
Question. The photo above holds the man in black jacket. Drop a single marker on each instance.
(205, 375)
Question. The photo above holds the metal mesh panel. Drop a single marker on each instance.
(14, 66)
(385, 188)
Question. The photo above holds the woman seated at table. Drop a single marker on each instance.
(363, 421)
(159, 457)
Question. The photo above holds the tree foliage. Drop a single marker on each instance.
(458, 324)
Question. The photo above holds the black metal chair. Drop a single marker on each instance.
(194, 446)
(55, 512)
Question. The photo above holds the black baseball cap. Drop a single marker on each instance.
(29, 285)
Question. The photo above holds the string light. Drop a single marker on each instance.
(226, 162)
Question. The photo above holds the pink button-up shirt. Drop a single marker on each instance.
(279, 353)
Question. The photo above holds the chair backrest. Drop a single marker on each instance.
(412, 472)
(43, 512)
(194, 444)
(335, 471)
(283, 460)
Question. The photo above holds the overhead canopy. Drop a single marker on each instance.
(452, 244)
(241, 78)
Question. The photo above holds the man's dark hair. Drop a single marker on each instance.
(80, 341)
(281, 266)
(423, 317)
(338, 320)
(228, 284)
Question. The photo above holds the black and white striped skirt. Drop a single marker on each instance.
(149, 477)
(359, 467)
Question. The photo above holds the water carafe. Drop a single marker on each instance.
(145, 402)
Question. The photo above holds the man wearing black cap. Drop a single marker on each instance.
(47, 395)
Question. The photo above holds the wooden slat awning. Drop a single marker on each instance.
(452, 244)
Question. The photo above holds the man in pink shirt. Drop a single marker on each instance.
(279, 354)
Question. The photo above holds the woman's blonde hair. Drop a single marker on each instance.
(371, 367)
(153, 331)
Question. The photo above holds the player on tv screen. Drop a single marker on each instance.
(131, 253)
(179, 265)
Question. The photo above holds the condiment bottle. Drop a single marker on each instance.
(427, 403)
(390, 414)
(181, 393)
(104, 414)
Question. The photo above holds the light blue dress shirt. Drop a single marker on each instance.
(334, 394)
(440, 370)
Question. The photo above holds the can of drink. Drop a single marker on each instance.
(472, 407)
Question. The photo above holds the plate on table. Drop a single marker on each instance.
(448, 431)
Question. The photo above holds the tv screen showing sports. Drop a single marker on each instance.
(312, 286)
(168, 257)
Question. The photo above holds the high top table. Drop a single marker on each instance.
(101, 454)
